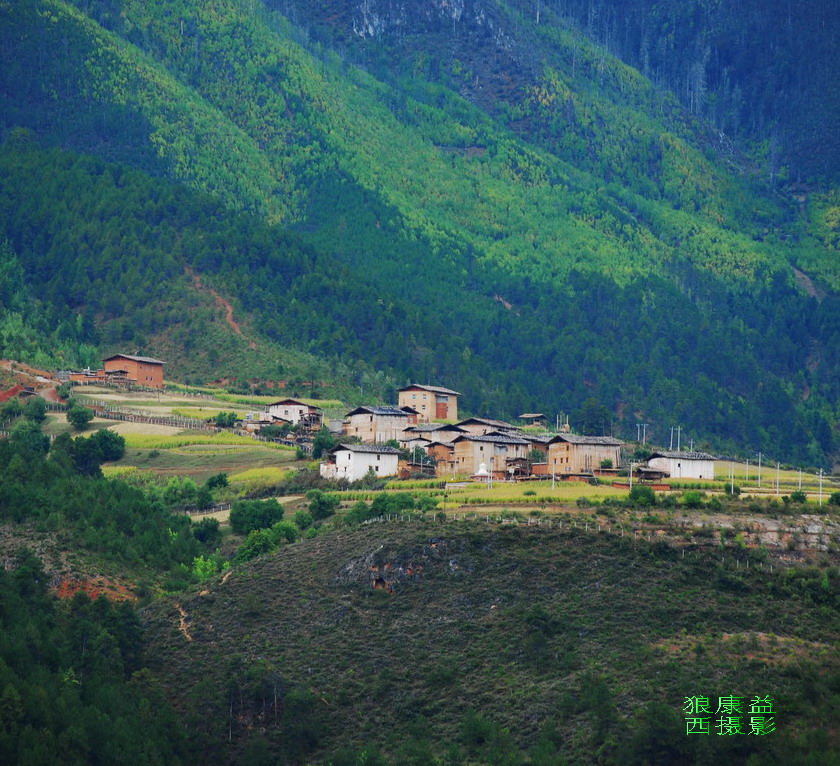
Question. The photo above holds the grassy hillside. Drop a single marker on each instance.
(497, 645)
(588, 243)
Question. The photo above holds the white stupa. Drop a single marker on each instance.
(482, 474)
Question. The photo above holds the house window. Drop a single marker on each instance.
(377, 458)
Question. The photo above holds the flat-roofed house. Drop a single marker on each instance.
(482, 426)
(496, 451)
(571, 453)
(297, 413)
(142, 370)
(375, 425)
(355, 461)
(431, 402)
(683, 465)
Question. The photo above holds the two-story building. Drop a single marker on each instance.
(298, 413)
(496, 451)
(438, 432)
(431, 402)
(375, 425)
(355, 461)
(574, 454)
(483, 426)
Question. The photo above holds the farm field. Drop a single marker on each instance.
(203, 460)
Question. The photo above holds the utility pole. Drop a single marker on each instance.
(800, 478)
(732, 479)
(638, 432)
(821, 475)
(747, 479)
(777, 478)
(679, 428)
(644, 432)
(759, 470)
(631, 475)
(671, 443)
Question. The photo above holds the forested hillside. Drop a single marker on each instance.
(579, 234)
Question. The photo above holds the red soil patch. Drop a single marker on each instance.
(221, 303)
(96, 587)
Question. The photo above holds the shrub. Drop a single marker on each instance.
(642, 496)
(217, 481)
(321, 505)
(249, 515)
(834, 499)
(529, 493)
(109, 444)
(35, 409)
(284, 530)
(606, 463)
(303, 519)
(692, 499)
(360, 512)
(225, 419)
(207, 532)
(258, 542)
(79, 417)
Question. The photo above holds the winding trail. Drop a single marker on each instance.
(221, 303)
(183, 626)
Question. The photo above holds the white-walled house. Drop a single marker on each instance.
(353, 461)
(297, 413)
(684, 465)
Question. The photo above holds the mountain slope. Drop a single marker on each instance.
(570, 644)
(525, 271)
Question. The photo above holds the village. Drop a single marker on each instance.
(422, 436)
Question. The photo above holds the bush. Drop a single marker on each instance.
(217, 481)
(284, 530)
(207, 532)
(303, 519)
(79, 417)
(642, 496)
(834, 499)
(225, 419)
(321, 505)
(258, 542)
(35, 409)
(798, 496)
(692, 499)
(109, 444)
(249, 515)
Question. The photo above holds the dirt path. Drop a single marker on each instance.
(183, 625)
(221, 303)
(807, 284)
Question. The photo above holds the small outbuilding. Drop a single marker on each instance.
(683, 465)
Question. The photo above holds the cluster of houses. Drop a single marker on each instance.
(481, 448)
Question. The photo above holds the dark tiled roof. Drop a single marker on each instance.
(375, 448)
(683, 455)
(490, 422)
(434, 389)
(373, 410)
(495, 438)
(426, 427)
(605, 441)
(292, 401)
(147, 359)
